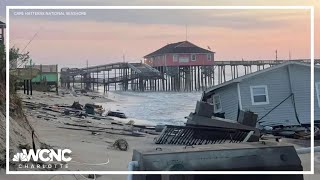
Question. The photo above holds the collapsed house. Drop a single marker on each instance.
(279, 95)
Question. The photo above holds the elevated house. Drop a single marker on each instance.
(280, 95)
(182, 53)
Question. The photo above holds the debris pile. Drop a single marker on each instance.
(76, 110)
(81, 117)
(296, 132)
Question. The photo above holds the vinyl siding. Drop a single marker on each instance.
(229, 101)
(278, 86)
(300, 76)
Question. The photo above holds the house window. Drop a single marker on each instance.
(318, 92)
(175, 58)
(193, 57)
(209, 57)
(217, 104)
(259, 95)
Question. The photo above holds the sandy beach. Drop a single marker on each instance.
(58, 131)
(91, 147)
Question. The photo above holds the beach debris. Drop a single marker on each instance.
(296, 132)
(131, 122)
(94, 133)
(77, 105)
(121, 144)
(144, 126)
(66, 112)
(117, 123)
(193, 135)
(138, 133)
(83, 91)
(117, 114)
(89, 109)
(99, 117)
(159, 127)
(93, 109)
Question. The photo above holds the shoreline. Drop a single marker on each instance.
(90, 140)
(87, 143)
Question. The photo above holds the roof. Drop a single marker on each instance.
(239, 79)
(178, 48)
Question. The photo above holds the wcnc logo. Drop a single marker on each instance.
(42, 155)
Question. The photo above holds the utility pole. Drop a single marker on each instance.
(276, 54)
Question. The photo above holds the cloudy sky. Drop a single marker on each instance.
(103, 36)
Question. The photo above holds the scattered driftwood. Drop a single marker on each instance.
(122, 131)
(76, 105)
(97, 127)
(90, 130)
(117, 123)
(100, 117)
(144, 127)
(117, 114)
(53, 109)
(296, 132)
(152, 132)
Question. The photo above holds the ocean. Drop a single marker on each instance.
(154, 107)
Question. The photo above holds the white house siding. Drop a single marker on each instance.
(229, 101)
(300, 77)
(278, 89)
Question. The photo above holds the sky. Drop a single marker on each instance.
(104, 36)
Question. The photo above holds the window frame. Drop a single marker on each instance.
(215, 110)
(266, 94)
(209, 55)
(195, 57)
(175, 58)
(317, 85)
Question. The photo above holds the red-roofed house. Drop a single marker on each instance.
(180, 54)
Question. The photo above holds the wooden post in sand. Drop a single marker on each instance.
(104, 81)
(97, 80)
(24, 86)
(108, 80)
(115, 79)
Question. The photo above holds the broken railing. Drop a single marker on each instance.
(193, 135)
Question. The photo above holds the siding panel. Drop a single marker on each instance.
(278, 89)
(229, 101)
